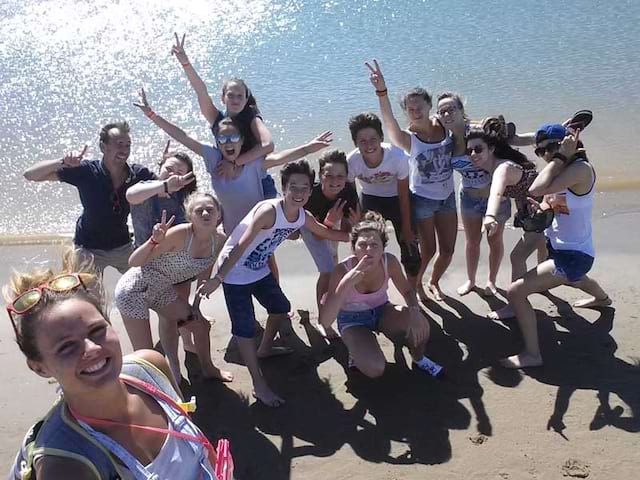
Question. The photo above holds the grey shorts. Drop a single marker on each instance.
(117, 258)
(321, 250)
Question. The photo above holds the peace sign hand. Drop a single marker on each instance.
(354, 275)
(335, 214)
(354, 215)
(70, 160)
(160, 229)
(178, 50)
(143, 105)
(375, 76)
(321, 141)
(178, 182)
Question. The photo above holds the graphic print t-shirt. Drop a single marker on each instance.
(380, 181)
(431, 174)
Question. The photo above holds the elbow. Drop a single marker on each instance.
(536, 191)
(30, 176)
(268, 147)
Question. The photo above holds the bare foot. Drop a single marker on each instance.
(274, 352)
(504, 312)
(328, 333)
(214, 373)
(266, 396)
(490, 290)
(593, 302)
(465, 288)
(522, 360)
(434, 289)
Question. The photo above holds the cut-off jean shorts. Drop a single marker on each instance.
(363, 318)
(472, 206)
(571, 264)
(422, 207)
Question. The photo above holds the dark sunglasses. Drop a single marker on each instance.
(551, 147)
(477, 149)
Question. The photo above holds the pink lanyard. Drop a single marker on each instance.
(155, 392)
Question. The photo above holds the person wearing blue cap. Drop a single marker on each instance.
(567, 183)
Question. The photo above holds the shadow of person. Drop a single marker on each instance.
(224, 413)
(583, 358)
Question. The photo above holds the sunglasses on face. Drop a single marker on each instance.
(29, 299)
(233, 138)
(550, 148)
(477, 149)
(450, 110)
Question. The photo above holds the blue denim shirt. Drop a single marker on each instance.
(103, 223)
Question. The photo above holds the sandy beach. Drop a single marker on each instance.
(577, 417)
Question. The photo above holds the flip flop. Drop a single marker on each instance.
(580, 120)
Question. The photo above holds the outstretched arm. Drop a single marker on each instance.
(264, 146)
(48, 169)
(207, 107)
(320, 231)
(173, 131)
(399, 137)
(292, 154)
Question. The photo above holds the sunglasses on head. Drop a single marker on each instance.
(233, 138)
(550, 148)
(477, 149)
(29, 299)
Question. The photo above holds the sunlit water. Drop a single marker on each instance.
(68, 67)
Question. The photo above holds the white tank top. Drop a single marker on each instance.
(430, 171)
(252, 266)
(571, 227)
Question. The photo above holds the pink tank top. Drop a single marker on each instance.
(358, 302)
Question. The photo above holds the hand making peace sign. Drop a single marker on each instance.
(70, 160)
(178, 50)
(375, 76)
(160, 229)
(143, 104)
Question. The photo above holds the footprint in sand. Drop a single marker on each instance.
(575, 468)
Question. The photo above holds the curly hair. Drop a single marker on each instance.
(371, 222)
(26, 325)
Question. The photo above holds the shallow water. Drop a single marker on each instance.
(70, 66)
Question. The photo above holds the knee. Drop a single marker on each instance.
(447, 251)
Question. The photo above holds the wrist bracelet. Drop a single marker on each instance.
(382, 93)
(151, 115)
(153, 242)
(185, 65)
(166, 187)
(490, 215)
(561, 157)
(218, 277)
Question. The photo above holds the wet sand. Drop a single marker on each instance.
(577, 416)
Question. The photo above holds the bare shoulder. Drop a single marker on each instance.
(154, 358)
(50, 467)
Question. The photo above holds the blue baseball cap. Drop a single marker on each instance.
(550, 131)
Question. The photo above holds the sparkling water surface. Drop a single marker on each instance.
(68, 67)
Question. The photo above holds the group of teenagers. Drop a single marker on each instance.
(124, 417)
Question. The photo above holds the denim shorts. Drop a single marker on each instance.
(571, 264)
(240, 305)
(422, 207)
(269, 189)
(364, 318)
(471, 206)
(320, 250)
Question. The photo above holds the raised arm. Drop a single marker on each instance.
(162, 240)
(399, 137)
(292, 154)
(170, 129)
(47, 170)
(207, 107)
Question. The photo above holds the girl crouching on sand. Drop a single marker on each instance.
(567, 183)
(171, 256)
(117, 418)
(358, 298)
